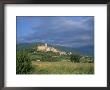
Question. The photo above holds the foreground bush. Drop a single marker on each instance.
(23, 63)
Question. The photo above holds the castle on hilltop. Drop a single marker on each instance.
(46, 48)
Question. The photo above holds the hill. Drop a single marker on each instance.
(86, 50)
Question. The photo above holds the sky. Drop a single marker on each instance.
(68, 31)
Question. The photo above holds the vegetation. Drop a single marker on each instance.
(63, 68)
(75, 58)
(23, 63)
(31, 61)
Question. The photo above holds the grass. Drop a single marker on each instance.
(62, 68)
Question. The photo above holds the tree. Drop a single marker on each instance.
(74, 58)
(23, 63)
(47, 57)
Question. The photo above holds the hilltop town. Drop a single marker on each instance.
(46, 48)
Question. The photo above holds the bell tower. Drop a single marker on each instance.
(45, 44)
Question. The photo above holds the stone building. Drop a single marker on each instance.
(46, 48)
(42, 48)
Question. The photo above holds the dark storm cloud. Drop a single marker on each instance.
(67, 31)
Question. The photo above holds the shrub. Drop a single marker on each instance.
(47, 57)
(75, 58)
(23, 63)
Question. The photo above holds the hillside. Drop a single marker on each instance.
(86, 50)
(49, 62)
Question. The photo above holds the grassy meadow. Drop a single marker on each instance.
(62, 68)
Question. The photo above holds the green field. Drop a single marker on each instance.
(62, 68)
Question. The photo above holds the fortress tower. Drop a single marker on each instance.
(45, 44)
